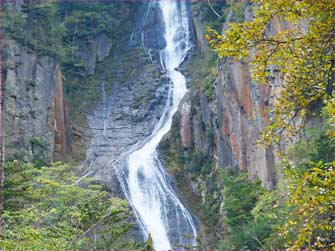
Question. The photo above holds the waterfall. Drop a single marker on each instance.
(150, 193)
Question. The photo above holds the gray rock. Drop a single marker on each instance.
(153, 27)
(28, 93)
(93, 51)
(103, 47)
(87, 53)
(125, 116)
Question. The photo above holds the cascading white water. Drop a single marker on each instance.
(157, 207)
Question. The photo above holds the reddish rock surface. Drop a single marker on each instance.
(60, 121)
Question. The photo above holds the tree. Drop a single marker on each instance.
(310, 221)
(301, 50)
(45, 209)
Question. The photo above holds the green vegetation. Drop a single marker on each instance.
(240, 197)
(46, 209)
(56, 28)
(310, 220)
(298, 214)
(149, 246)
(85, 20)
(216, 13)
(40, 151)
(208, 15)
(39, 28)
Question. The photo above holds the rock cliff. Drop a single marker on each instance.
(47, 95)
(35, 127)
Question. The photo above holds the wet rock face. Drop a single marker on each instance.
(127, 114)
(103, 47)
(29, 84)
(185, 120)
(153, 27)
(148, 28)
(132, 102)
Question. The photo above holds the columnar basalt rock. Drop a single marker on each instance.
(34, 112)
(243, 111)
(61, 125)
(28, 91)
(236, 115)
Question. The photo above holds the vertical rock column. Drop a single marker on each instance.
(58, 114)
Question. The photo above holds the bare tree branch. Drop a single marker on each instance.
(212, 8)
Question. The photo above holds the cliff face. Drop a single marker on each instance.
(126, 114)
(36, 124)
(34, 113)
(47, 98)
(239, 112)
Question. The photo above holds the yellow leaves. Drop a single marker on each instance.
(208, 37)
(301, 51)
(309, 221)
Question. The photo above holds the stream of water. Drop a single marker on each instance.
(150, 192)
